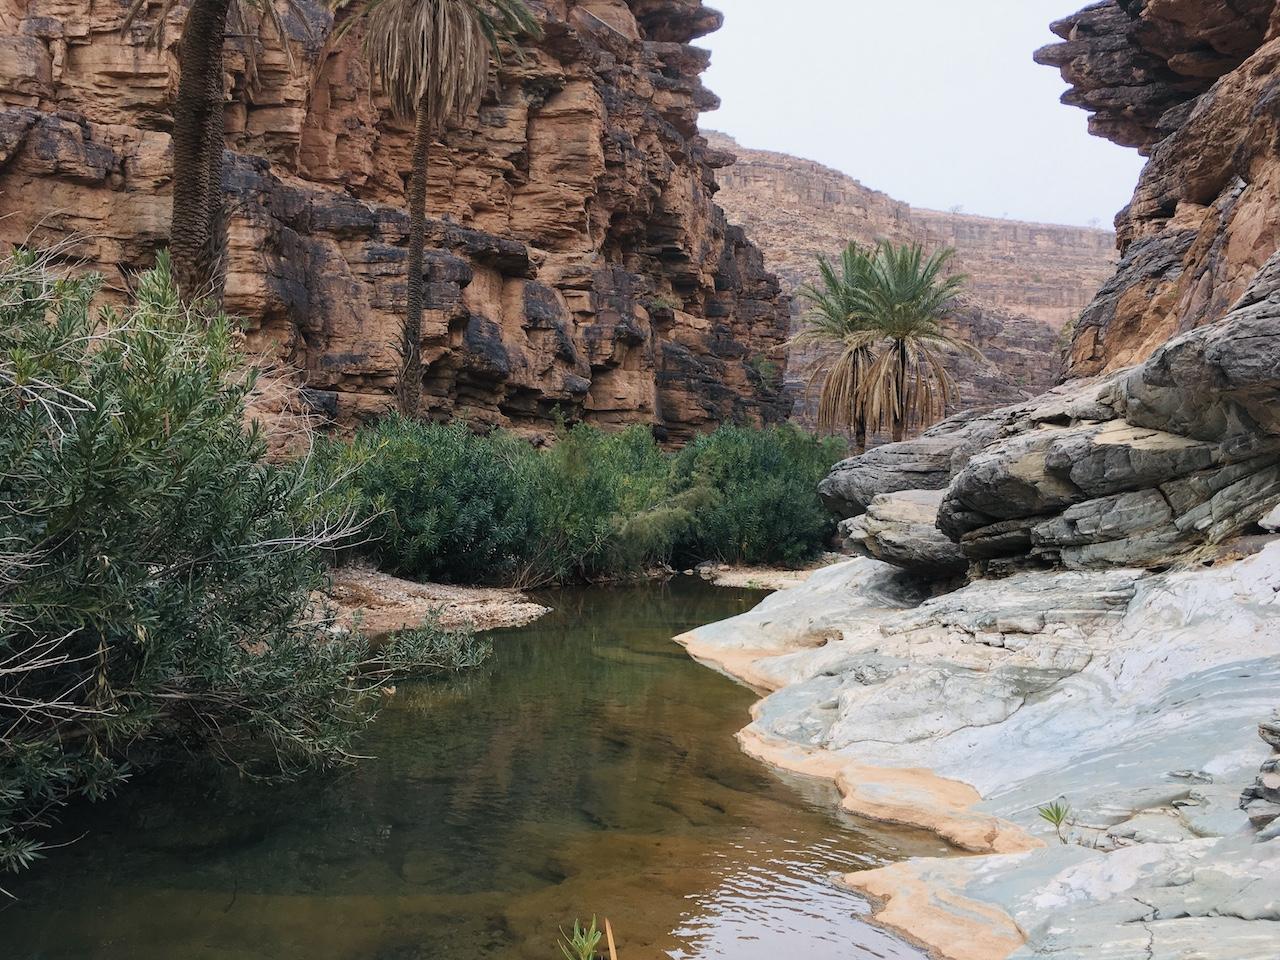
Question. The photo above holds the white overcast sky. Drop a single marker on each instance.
(935, 102)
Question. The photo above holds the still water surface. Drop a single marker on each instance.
(590, 767)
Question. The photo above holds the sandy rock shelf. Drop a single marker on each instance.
(1135, 697)
(382, 604)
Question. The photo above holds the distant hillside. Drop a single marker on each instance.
(797, 209)
(1026, 280)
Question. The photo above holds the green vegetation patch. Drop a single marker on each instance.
(442, 503)
(156, 573)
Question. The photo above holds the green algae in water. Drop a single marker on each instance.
(589, 768)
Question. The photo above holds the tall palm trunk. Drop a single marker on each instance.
(900, 421)
(197, 237)
(410, 387)
(860, 437)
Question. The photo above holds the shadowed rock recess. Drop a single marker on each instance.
(578, 263)
(1076, 598)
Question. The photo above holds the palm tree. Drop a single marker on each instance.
(432, 57)
(904, 301)
(835, 327)
(198, 230)
(885, 313)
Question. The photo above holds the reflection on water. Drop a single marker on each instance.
(589, 768)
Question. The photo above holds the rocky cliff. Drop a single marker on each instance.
(1027, 280)
(1194, 86)
(578, 263)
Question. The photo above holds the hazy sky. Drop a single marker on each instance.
(935, 102)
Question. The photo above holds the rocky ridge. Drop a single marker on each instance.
(578, 264)
(797, 209)
(1193, 85)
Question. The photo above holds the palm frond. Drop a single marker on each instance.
(879, 314)
(434, 55)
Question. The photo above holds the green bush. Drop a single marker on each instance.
(156, 574)
(442, 503)
(763, 506)
(439, 502)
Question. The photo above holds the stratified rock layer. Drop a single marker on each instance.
(578, 265)
(1193, 84)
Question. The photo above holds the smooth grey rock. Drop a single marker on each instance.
(1135, 696)
(1271, 522)
(901, 529)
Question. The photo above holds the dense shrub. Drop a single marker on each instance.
(765, 507)
(442, 503)
(439, 501)
(155, 573)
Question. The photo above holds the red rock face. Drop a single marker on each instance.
(1194, 84)
(578, 263)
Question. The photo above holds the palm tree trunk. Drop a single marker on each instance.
(410, 387)
(860, 438)
(900, 421)
(197, 234)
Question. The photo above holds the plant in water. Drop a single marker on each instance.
(582, 943)
(1058, 815)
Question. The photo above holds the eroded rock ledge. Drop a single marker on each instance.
(1136, 468)
(579, 263)
(1133, 696)
(1193, 84)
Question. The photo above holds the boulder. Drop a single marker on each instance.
(901, 529)
(1189, 456)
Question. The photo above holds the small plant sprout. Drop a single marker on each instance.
(582, 943)
(1057, 814)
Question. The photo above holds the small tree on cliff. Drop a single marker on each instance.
(432, 58)
(198, 230)
(890, 373)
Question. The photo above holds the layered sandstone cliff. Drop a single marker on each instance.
(1026, 280)
(578, 265)
(1194, 86)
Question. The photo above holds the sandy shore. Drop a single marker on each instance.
(383, 604)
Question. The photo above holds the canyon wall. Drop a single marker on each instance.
(578, 266)
(1194, 86)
